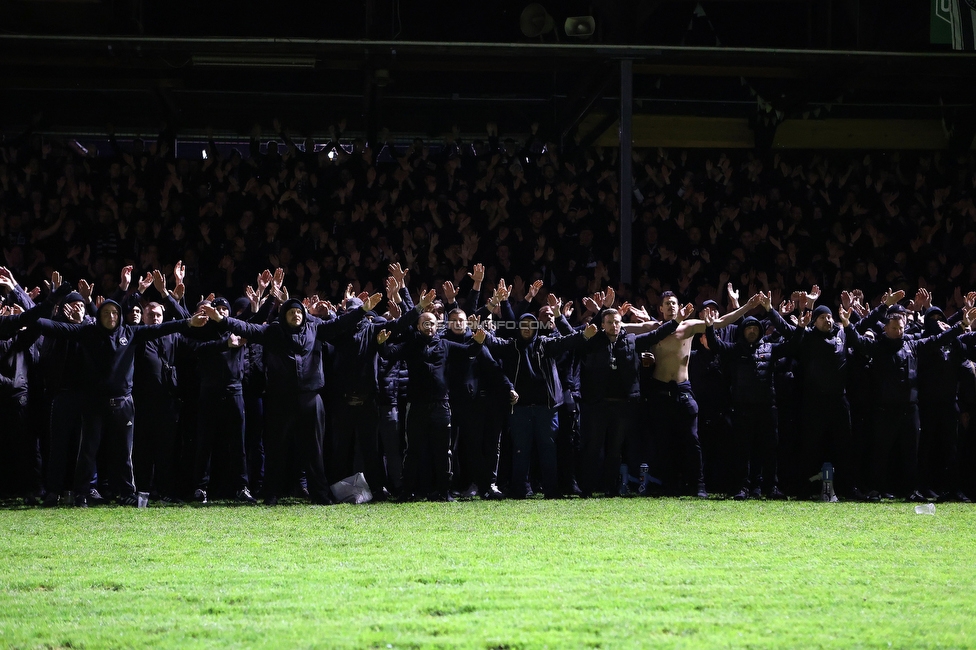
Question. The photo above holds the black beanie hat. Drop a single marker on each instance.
(820, 311)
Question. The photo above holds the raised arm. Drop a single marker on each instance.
(644, 342)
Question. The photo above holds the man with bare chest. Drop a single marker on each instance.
(674, 402)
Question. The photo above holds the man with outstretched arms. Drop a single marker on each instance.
(674, 401)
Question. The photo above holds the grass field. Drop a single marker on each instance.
(599, 573)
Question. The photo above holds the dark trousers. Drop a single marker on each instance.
(428, 446)
(678, 431)
(220, 425)
(355, 426)
(827, 439)
(64, 430)
(896, 429)
(297, 419)
(108, 424)
(254, 439)
(391, 442)
(23, 464)
(754, 427)
(938, 453)
(154, 443)
(568, 444)
(477, 430)
(603, 428)
(534, 424)
(718, 450)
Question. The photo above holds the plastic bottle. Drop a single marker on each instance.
(642, 487)
(925, 509)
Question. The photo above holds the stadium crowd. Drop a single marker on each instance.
(450, 321)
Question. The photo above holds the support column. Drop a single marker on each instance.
(626, 172)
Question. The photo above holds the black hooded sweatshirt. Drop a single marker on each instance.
(293, 355)
(109, 355)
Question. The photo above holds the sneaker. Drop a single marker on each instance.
(471, 492)
(917, 497)
(31, 500)
(170, 501)
(324, 498)
(244, 496)
(858, 495)
(702, 494)
(777, 495)
(270, 500)
(200, 496)
(873, 496)
(81, 502)
(129, 500)
(51, 500)
(741, 495)
(959, 496)
(493, 493)
(95, 498)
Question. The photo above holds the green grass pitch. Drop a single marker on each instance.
(607, 573)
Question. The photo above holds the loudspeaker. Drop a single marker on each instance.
(536, 21)
(581, 27)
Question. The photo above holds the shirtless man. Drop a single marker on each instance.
(674, 402)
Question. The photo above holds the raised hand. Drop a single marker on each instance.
(477, 275)
(640, 313)
(590, 331)
(609, 297)
(382, 336)
(568, 309)
(394, 309)
(846, 299)
(178, 291)
(968, 316)
(804, 319)
(278, 278)
(179, 271)
(709, 318)
(211, 313)
(844, 316)
(786, 308)
(159, 282)
(533, 291)
(479, 336)
(733, 295)
(145, 283)
(685, 312)
(426, 299)
(84, 289)
(126, 277)
(893, 297)
(813, 295)
(503, 292)
(371, 301)
(200, 318)
(450, 293)
(397, 272)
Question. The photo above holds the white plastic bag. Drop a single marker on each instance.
(352, 489)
